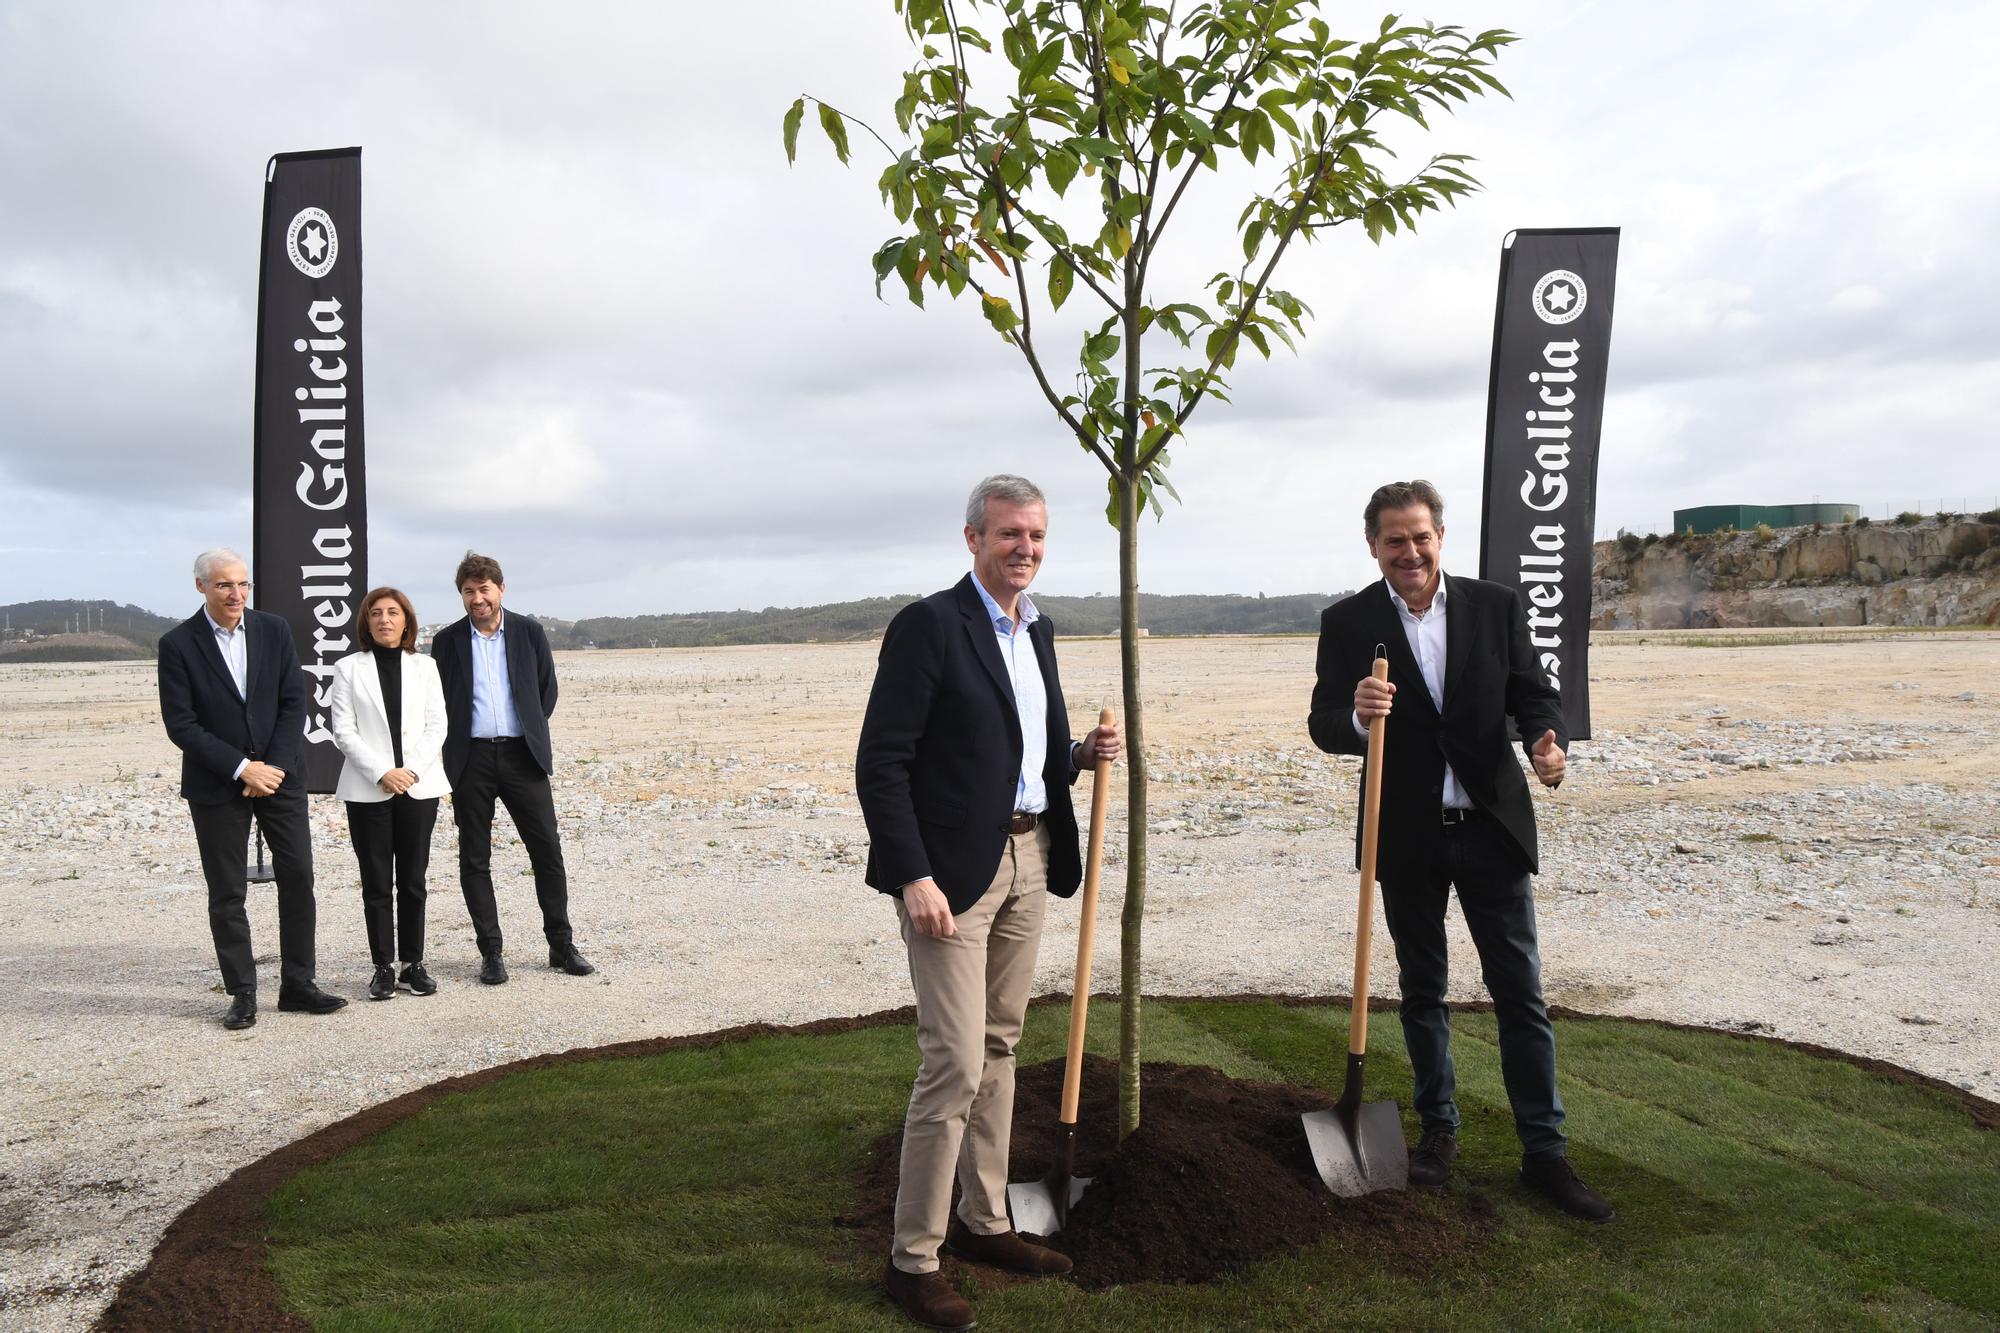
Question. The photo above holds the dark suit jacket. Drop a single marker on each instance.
(531, 675)
(940, 752)
(1494, 694)
(215, 727)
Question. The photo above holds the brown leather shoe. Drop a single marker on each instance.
(1005, 1250)
(929, 1299)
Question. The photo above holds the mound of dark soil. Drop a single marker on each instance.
(1217, 1177)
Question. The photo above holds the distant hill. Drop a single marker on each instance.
(54, 631)
(79, 631)
(840, 622)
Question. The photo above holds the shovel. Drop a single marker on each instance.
(1041, 1207)
(1359, 1148)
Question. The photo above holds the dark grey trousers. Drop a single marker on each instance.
(1498, 900)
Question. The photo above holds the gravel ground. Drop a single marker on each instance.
(1798, 840)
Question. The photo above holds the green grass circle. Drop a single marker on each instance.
(1759, 1186)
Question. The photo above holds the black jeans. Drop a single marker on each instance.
(505, 771)
(1495, 894)
(392, 841)
(222, 832)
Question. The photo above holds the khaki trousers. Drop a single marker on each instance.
(972, 995)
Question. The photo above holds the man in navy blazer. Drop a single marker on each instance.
(499, 688)
(963, 773)
(233, 698)
(1465, 687)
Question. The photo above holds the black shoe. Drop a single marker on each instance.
(383, 987)
(242, 1012)
(418, 980)
(308, 1000)
(565, 957)
(1555, 1177)
(1430, 1161)
(492, 971)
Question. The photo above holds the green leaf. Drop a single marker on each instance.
(999, 312)
(885, 262)
(792, 119)
(1100, 347)
(1060, 168)
(836, 130)
(1061, 278)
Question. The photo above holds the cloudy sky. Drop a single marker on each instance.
(615, 341)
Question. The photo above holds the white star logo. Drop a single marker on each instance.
(1559, 296)
(313, 243)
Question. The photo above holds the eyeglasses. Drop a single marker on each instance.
(226, 588)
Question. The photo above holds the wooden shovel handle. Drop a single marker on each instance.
(1086, 935)
(1364, 919)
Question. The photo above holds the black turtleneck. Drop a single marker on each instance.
(389, 667)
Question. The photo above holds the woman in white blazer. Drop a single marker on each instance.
(389, 724)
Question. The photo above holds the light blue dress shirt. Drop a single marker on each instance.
(1031, 697)
(492, 692)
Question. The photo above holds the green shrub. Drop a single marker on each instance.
(1763, 532)
(1818, 526)
(1652, 539)
(1629, 543)
(1990, 516)
(1862, 522)
(1970, 544)
(1673, 539)
(1909, 518)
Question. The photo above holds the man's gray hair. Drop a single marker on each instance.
(205, 563)
(1000, 486)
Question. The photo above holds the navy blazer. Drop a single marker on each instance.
(215, 727)
(940, 753)
(1494, 694)
(531, 676)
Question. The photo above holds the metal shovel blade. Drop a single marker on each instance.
(1033, 1204)
(1359, 1152)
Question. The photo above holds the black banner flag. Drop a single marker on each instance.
(1544, 411)
(309, 528)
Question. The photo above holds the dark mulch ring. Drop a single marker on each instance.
(1217, 1177)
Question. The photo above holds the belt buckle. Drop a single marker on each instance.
(1456, 815)
(1023, 821)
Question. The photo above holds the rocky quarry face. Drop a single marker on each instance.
(1931, 573)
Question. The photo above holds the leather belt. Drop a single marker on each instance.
(492, 740)
(1457, 816)
(1022, 822)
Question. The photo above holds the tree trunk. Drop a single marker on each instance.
(1135, 806)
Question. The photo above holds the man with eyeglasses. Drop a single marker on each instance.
(233, 698)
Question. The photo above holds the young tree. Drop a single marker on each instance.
(1105, 113)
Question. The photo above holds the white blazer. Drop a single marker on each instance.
(361, 727)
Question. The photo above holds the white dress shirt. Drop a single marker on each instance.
(1426, 634)
(235, 647)
(1031, 696)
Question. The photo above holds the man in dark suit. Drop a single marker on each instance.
(963, 773)
(234, 700)
(1455, 813)
(499, 690)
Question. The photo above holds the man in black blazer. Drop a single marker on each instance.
(234, 700)
(1455, 812)
(499, 682)
(963, 773)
